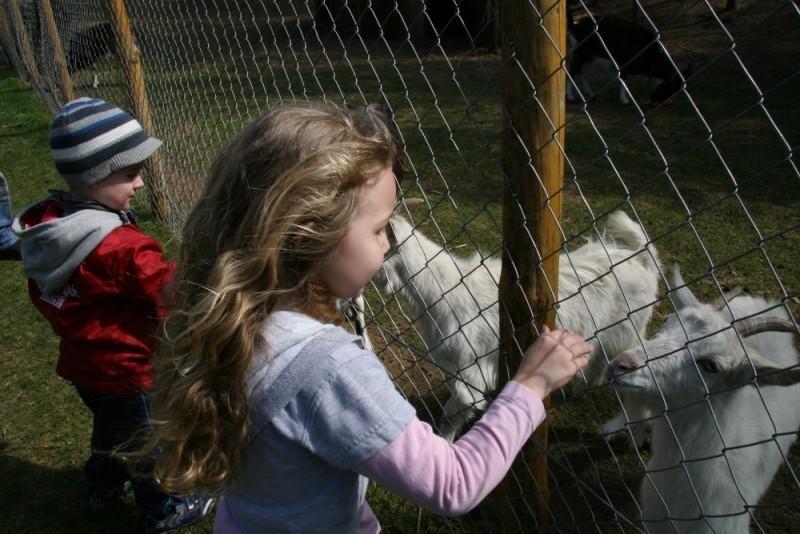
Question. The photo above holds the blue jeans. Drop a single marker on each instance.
(7, 238)
(118, 419)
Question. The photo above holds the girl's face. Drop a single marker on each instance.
(360, 254)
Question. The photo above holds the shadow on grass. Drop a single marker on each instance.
(595, 483)
(54, 500)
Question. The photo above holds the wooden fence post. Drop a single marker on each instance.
(533, 86)
(134, 74)
(58, 50)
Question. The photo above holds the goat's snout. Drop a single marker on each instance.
(622, 364)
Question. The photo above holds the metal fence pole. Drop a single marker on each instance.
(134, 72)
(58, 50)
(534, 84)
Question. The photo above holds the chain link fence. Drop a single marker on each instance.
(680, 113)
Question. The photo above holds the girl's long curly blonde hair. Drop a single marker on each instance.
(277, 202)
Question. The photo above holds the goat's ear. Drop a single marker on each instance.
(726, 297)
(682, 296)
(390, 235)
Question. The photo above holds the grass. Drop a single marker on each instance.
(712, 178)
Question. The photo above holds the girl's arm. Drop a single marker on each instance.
(451, 479)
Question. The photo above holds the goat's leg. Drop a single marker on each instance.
(640, 415)
(624, 95)
(455, 416)
(570, 91)
(464, 404)
(586, 89)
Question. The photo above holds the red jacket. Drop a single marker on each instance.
(108, 311)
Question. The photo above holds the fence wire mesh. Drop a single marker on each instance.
(691, 132)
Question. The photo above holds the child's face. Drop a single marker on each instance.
(118, 189)
(360, 254)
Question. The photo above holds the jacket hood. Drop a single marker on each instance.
(52, 249)
(286, 329)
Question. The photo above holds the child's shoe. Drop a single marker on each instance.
(188, 510)
(100, 498)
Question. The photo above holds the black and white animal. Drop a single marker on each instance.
(606, 288)
(635, 50)
(87, 46)
(730, 394)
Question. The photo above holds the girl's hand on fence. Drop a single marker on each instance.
(552, 361)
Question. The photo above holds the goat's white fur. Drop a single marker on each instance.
(455, 300)
(716, 449)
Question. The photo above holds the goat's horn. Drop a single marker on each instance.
(409, 202)
(779, 377)
(757, 325)
(794, 376)
(727, 297)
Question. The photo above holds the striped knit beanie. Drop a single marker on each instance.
(90, 139)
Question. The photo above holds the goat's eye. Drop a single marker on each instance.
(709, 365)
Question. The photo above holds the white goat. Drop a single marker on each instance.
(605, 289)
(724, 431)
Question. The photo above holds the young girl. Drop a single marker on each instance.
(259, 394)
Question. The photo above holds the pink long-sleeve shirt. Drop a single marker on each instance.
(443, 477)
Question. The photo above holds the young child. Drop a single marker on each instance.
(98, 280)
(259, 394)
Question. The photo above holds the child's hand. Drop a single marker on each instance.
(552, 361)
